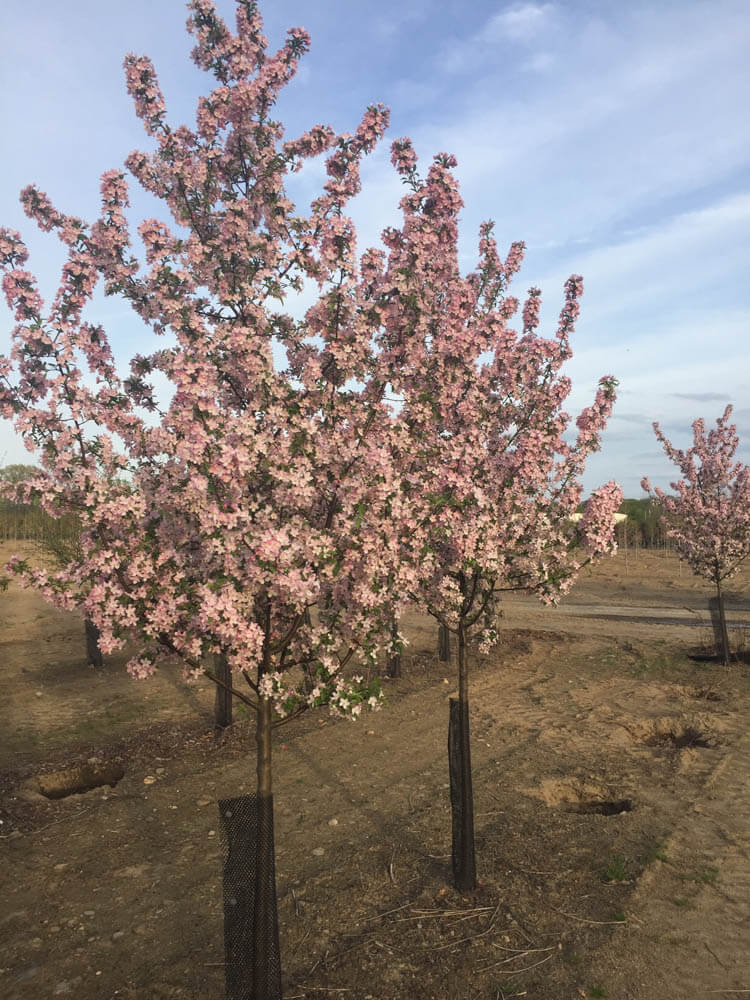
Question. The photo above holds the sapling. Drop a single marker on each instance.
(489, 479)
(708, 517)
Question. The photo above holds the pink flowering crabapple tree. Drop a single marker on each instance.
(489, 478)
(211, 524)
(709, 518)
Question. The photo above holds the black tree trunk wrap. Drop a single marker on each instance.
(93, 653)
(251, 925)
(252, 965)
(462, 797)
(394, 660)
(723, 625)
(266, 949)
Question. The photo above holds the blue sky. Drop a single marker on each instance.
(613, 138)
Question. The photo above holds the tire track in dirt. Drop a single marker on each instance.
(675, 933)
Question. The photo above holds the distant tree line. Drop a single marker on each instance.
(21, 522)
(59, 537)
(645, 527)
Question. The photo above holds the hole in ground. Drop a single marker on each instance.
(704, 656)
(576, 795)
(74, 780)
(687, 736)
(602, 807)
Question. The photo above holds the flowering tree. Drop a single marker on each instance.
(490, 480)
(709, 518)
(212, 523)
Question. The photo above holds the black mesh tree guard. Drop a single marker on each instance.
(719, 623)
(394, 659)
(93, 653)
(251, 924)
(462, 797)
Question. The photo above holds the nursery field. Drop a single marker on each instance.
(611, 787)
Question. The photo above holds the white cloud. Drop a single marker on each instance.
(676, 264)
(519, 23)
(390, 23)
(540, 62)
(647, 106)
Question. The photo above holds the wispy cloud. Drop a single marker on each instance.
(521, 22)
(391, 21)
(498, 36)
(702, 397)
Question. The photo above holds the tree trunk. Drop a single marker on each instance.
(724, 634)
(394, 660)
(93, 653)
(266, 949)
(223, 698)
(444, 644)
(462, 797)
(251, 930)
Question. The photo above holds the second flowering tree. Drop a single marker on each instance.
(489, 477)
(709, 515)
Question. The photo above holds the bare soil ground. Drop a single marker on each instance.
(611, 776)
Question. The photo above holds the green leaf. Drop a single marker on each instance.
(360, 514)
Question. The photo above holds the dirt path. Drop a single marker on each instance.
(684, 617)
(691, 918)
(116, 894)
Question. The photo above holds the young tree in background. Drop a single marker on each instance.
(489, 479)
(61, 539)
(492, 481)
(709, 518)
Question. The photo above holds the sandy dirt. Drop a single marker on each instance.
(611, 793)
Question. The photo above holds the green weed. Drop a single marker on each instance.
(615, 870)
(657, 852)
(706, 876)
